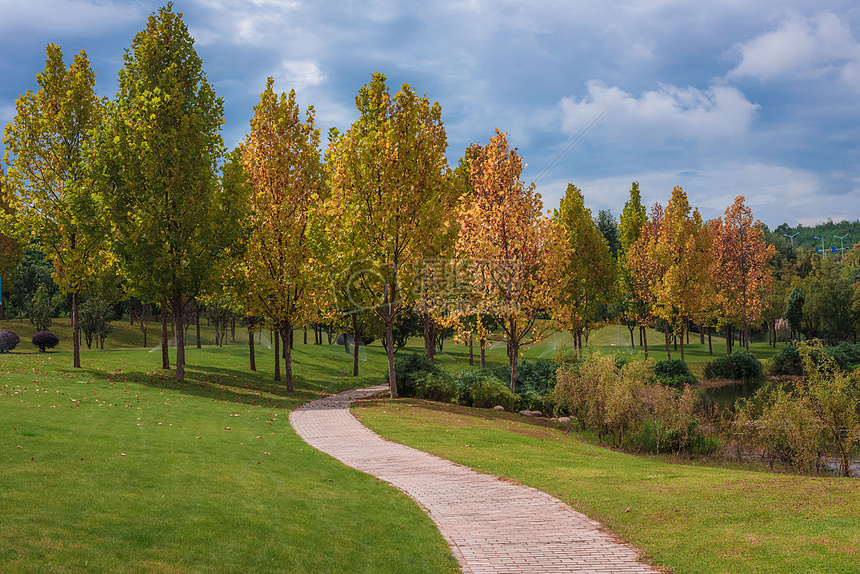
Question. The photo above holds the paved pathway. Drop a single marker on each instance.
(490, 525)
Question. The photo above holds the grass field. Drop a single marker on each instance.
(115, 467)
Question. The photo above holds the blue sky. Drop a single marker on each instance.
(724, 98)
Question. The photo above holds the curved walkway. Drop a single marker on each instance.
(490, 525)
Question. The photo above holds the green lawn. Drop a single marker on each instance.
(686, 518)
(116, 468)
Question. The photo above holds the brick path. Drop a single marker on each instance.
(490, 525)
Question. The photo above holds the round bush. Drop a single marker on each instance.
(740, 366)
(674, 373)
(45, 340)
(8, 341)
(787, 362)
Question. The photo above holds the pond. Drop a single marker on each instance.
(724, 397)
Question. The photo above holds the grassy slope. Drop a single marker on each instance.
(686, 518)
(120, 469)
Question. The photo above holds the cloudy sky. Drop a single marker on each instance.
(724, 98)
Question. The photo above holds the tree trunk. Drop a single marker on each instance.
(632, 339)
(252, 352)
(76, 331)
(180, 338)
(197, 324)
(131, 311)
(306, 334)
(389, 339)
(288, 359)
(701, 334)
(429, 347)
(276, 336)
(683, 325)
(643, 338)
(666, 336)
(165, 356)
(233, 329)
(471, 351)
(483, 343)
(710, 346)
(354, 345)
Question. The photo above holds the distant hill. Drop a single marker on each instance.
(805, 237)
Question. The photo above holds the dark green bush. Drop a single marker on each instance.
(8, 341)
(787, 362)
(845, 355)
(674, 373)
(490, 392)
(537, 377)
(409, 370)
(439, 387)
(45, 340)
(739, 366)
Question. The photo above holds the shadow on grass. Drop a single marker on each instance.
(225, 385)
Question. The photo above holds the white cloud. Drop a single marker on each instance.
(775, 193)
(669, 112)
(298, 75)
(802, 48)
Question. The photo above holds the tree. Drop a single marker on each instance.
(282, 161)
(607, 226)
(45, 150)
(635, 299)
(11, 249)
(682, 248)
(509, 249)
(740, 268)
(389, 198)
(794, 304)
(644, 271)
(157, 156)
(41, 309)
(96, 315)
(588, 273)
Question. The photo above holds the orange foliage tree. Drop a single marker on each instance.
(739, 269)
(508, 245)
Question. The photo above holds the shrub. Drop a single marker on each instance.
(489, 392)
(438, 387)
(740, 366)
(674, 373)
(45, 340)
(600, 396)
(8, 341)
(787, 362)
(409, 370)
(537, 377)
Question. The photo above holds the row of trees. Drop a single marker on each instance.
(139, 191)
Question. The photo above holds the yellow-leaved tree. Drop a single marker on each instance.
(45, 152)
(389, 197)
(282, 162)
(683, 249)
